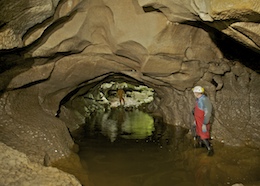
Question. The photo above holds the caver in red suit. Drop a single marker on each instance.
(202, 114)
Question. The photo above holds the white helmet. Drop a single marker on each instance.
(198, 89)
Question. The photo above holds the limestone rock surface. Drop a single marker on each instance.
(238, 19)
(53, 49)
(17, 169)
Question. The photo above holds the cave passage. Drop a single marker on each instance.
(122, 147)
(125, 144)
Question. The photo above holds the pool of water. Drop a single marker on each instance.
(132, 149)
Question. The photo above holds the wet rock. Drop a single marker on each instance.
(32, 126)
(17, 169)
(72, 47)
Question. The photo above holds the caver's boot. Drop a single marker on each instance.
(196, 142)
(201, 143)
(209, 147)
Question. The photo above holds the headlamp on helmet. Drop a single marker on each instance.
(198, 89)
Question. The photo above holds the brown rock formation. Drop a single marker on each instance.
(17, 169)
(52, 48)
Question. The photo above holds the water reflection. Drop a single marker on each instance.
(114, 152)
(118, 123)
(138, 124)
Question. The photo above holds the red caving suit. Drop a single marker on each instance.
(202, 114)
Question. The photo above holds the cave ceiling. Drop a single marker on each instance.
(50, 48)
(100, 34)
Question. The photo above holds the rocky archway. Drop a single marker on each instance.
(73, 44)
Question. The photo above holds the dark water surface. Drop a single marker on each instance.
(132, 149)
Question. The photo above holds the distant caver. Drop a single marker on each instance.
(202, 114)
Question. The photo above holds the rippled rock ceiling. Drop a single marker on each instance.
(51, 48)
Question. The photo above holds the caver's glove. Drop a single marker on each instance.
(204, 128)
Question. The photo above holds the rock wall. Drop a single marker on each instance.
(55, 47)
(27, 128)
(17, 169)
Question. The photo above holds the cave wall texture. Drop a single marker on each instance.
(50, 48)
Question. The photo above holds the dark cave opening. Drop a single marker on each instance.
(231, 49)
(150, 9)
(214, 83)
(102, 94)
(236, 51)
